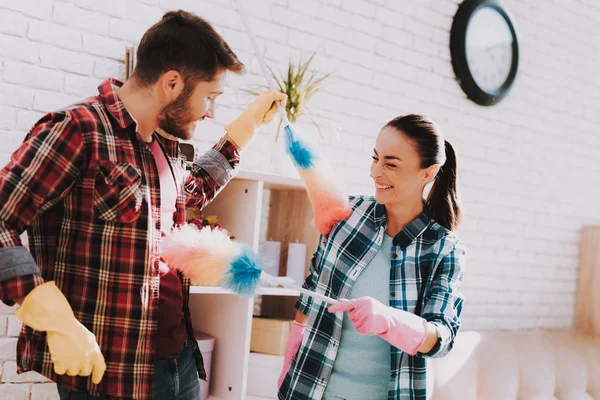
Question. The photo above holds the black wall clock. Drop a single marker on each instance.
(484, 50)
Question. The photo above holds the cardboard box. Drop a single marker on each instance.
(270, 335)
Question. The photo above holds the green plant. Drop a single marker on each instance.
(299, 84)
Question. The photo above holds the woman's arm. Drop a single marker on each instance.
(444, 304)
(303, 306)
(430, 340)
(431, 334)
(301, 318)
(305, 302)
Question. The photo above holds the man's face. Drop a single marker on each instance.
(179, 117)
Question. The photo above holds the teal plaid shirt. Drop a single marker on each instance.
(426, 274)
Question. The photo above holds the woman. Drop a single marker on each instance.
(397, 267)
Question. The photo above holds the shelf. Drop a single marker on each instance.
(271, 181)
(278, 292)
(211, 397)
(209, 290)
(260, 291)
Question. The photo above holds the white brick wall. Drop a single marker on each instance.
(12, 386)
(529, 176)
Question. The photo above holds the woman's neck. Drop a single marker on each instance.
(399, 215)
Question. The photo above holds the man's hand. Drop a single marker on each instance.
(261, 111)
(73, 348)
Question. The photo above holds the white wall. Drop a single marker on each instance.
(528, 166)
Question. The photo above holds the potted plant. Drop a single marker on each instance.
(299, 84)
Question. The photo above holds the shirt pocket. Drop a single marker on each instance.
(117, 191)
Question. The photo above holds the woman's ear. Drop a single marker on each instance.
(431, 172)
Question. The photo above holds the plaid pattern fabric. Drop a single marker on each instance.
(426, 273)
(86, 188)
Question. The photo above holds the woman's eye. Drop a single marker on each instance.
(375, 158)
(391, 165)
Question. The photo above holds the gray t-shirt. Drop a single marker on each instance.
(362, 366)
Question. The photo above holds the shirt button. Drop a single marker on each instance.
(393, 294)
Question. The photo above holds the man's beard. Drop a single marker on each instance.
(176, 119)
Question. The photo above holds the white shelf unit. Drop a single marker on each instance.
(221, 313)
(270, 291)
(211, 397)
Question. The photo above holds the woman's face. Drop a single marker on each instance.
(396, 168)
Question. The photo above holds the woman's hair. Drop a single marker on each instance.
(433, 149)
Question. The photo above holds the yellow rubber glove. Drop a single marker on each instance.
(73, 348)
(241, 130)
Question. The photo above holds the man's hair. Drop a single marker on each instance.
(186, 43)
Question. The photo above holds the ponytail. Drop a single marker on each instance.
(443, 197)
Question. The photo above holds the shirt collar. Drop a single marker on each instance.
(108, 92)
(172, 146)
(412, 231)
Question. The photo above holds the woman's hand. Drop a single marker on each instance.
(402, 329)
(367, 315)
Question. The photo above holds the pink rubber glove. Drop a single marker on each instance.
(293, 345)
(399, 328)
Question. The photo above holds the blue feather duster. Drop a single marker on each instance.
(301, 155)
(244, 272)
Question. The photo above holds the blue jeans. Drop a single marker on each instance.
(174, 378)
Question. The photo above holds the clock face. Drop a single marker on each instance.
(489, 48)
(484, 50)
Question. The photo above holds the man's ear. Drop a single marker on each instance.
(171, 85)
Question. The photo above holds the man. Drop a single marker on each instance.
(95, 186)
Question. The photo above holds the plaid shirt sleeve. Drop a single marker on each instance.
(305, 302)
(444, 306)
(39, 174)
(210, 173)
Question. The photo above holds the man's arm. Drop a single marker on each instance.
(214, 169)
(39, 174)
(211, 172)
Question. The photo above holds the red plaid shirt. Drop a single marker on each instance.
(85, 187)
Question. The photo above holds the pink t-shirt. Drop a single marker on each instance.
(171, 326)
